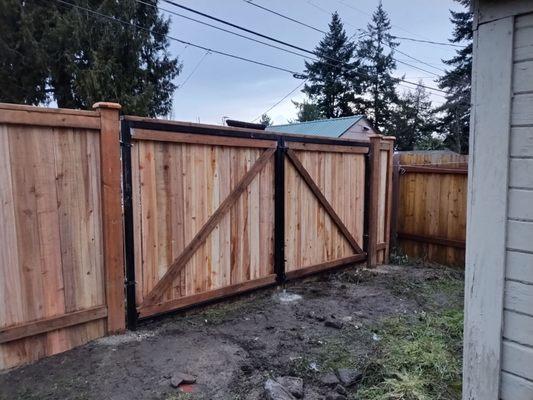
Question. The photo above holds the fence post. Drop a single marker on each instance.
(279, 211)
(389, 213)
(395, 200)
(373, 199)
(110, 172)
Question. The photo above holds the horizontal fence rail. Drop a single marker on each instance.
(430, 205)
(207, 212)
(60, 230)
(216, 210)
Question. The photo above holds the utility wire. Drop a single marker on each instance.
(428, 41)
(194, 69)
(284, 16)
(280, 101)
(289, 44)
(357, 30)
(126, 23)
(294, 73)
(219, 28)
(238, 27)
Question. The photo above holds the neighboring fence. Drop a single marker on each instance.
(213, 211)
(430, 203)
(208, 211)
(61, 263)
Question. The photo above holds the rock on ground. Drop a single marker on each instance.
(275, 391)
(293, 385)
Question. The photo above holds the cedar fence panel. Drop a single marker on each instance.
(213, 211)
(431, 190)
(58, 273)
(208, 212)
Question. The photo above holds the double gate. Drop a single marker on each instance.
(212, 211)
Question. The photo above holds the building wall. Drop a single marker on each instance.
(517, 344)
(498, 355)
(360, 130)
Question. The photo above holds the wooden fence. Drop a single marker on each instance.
(213, 211)
(207, 212)
(61, 263)
(430, 191)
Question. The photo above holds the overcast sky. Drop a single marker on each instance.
(224, 87)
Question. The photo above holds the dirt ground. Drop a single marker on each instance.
(234, 346)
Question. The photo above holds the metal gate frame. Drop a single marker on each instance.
(281, 152)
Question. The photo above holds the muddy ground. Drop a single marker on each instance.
(234, 346)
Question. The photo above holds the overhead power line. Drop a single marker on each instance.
(284, 16)
(357, 30)
(428, 41)
(290, 44)
(280, 100)
(126, 23)
(219, 28)
(222, 21)
(294, 73)
(194, 69)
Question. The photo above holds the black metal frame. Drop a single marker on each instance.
(129, 254)
(279, 192)
(279, 212)
(240, 133)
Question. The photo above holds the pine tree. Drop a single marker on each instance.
(414, 121)
(265, 120)
(333, 78)
(455, 122)
(86, 58)
(377, 70)
(307, 111)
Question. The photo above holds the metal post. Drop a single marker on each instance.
(129, 255)
(279, 212)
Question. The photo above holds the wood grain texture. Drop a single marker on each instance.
(51, 236)
(433, 206)
(518, 327)
(178, 137)
(515, 388)
(311, 235)
(517, 359)
(178, 189)
(33, 116)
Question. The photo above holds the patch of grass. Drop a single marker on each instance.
(418, 359)
(443, 289)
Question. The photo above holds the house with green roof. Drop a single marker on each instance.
(354, 127)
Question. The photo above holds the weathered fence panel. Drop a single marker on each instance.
(55, 264)
(431, 191)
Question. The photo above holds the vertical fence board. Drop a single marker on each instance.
(52, 234)
(431, 206)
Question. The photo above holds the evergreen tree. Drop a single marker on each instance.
(455, 122)
(307, 111)
(414, 121)
(333, 78)
(265, 120)
(377, 70)
(83, 58)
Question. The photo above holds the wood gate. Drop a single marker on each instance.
(212, 211)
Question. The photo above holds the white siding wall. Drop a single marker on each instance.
(517, 345)
(498, 356)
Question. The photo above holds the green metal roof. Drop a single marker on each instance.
(333, 127)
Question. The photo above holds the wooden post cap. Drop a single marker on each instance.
(103, 104)
(389, 137)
